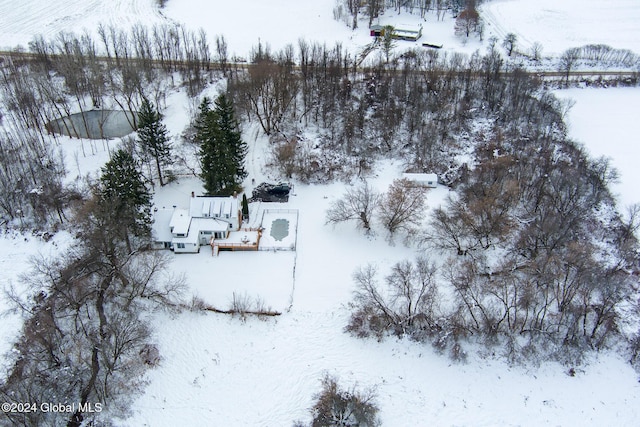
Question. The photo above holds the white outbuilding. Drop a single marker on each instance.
(429, 180)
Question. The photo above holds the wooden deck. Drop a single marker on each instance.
(237, 241)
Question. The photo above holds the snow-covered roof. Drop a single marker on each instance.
(161, 228)
(208, 224)
(202, 207)
(180, 221)
(411, 28)
(192, 239)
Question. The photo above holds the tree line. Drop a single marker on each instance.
(123, 70)
(350, 11)
(492, 133)
(526, 224)
(414, 105)
(86, 338)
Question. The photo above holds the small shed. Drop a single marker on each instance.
(407, 32)
(429, 180)
(400, 31)
(376, 30)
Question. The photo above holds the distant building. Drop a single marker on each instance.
(400, 32)
(423, 179)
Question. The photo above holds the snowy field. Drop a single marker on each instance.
(218, 371)
(264, 276)
(606, 122)
(559, 25)
(221, 371)
(21, 21)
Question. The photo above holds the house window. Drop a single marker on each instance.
(180, 245)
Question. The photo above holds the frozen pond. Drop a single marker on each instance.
(95, 124)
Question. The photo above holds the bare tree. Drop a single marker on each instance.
(336, 407)
(358, 203)
(509, 43)
(449, 229)
(405, 304)
(536, 51)
(568, 61)
(402, 207)
(270, 89)
(468, 21)
(222, 53)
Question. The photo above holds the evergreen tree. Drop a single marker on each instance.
(222, 150)
(122, 195)
(207, 135)
(245, 207)
(153, 137)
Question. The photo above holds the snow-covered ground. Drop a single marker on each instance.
(606, 122)
(21, 21)
(223, 371)
(17, 253)
(559, 25)
(219, 371)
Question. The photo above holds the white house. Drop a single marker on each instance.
(186, 230)
(423, 179)
(161, 229)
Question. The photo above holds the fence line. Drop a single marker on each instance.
(295, 231)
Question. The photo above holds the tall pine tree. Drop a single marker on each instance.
(153, 137)
(123, 196)
(222, 150)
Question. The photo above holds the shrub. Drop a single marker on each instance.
(344, 408)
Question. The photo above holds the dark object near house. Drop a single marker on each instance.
(266, 192)
(433, 46)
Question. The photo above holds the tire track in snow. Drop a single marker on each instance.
(490, 13)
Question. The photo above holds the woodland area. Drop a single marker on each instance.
(350, 11)
(541, 262)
